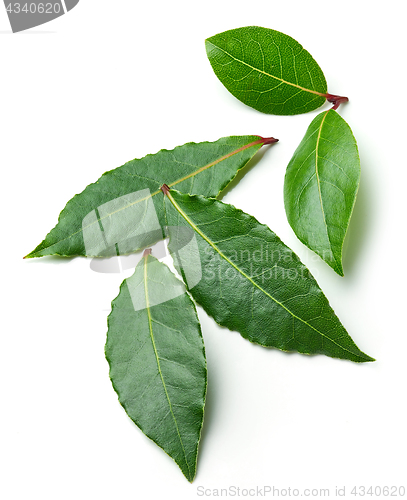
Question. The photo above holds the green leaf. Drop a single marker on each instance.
(321, 184)
(251, 282)
(120, 213)
(267, 70)
(157, 360)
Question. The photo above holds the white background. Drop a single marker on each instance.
(116, 80)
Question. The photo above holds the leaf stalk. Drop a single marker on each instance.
(268, 140)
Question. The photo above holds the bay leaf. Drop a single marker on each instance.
(120, 214)
(267, 70)
(252, 283)
(157, 360)
(321, 184)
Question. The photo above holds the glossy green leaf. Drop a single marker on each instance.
(157, 360)
(267, 70)
(320, 187)
(251, 282)
(120, 213)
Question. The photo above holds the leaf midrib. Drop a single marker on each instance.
(178, 181)
(189, 221)
(319, 183)
(158, 362)
(268, 74)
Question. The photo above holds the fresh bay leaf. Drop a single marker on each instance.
(267, 70)
(157, 360)
(120, 213)
(252, 283)
(321, 184)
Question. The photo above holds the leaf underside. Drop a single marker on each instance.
(267, 70)
(254, 284)
(157, 360)
(320, 187)
(120, 213)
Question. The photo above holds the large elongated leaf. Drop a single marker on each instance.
(119, 213)
(157, 360)
(321, 184)
(251, 282)
(267, 70)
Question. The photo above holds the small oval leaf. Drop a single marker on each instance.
(267, 70)
(252, 283)
(157, 360)
(321, 185)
